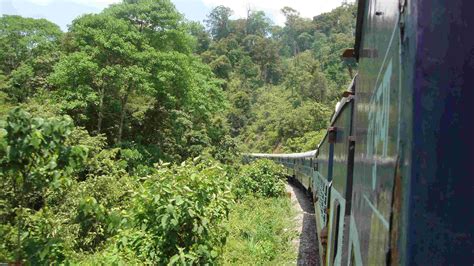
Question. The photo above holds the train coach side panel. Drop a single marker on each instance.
(377, 116)
(440, 213)
(339, 201)
(343, 131)
(321, 181)
(324, 169)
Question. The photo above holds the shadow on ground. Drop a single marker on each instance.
(308, 247)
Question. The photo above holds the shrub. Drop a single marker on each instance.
(261, 178)
(176, 215)
(35, 160)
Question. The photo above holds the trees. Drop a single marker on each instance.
(303, 58)
(297, 33)
(136, 63)
(218, 22)
(76, 80)
(156, 21)
(28, 49)
(304, 75)
(258, 23)
(143, 85)
(22, 39)
(279, 116)
(203, 39)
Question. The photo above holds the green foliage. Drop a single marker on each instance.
(35, 160)
(218, 22)
(75, 75)
(202, 37)
(302, 60)
(40, 243)
(34, 151)
(261, 233)
(309, 141)
(129, 75)
(166, 216)
(279, 116)
(262, 178)
(28, 50)
(92, 211)
(258, 23)
(305, 78)
(173, 216)
(24, 38)
(222, 67)
(144, 85)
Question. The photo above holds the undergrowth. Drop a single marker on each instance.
(261, 233)
(66, 199)
(260, 223)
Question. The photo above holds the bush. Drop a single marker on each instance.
(35, 160)
(262, 178)
(176, 215)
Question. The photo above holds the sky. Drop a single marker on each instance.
(62, 12)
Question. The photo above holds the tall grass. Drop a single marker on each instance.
(261, 233)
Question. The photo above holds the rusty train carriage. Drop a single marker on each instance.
(392, 180)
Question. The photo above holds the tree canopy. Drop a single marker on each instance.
(114, 134)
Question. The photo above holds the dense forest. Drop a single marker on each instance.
(120, 138)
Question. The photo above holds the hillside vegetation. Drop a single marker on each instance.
(120, 138)
(281, 82)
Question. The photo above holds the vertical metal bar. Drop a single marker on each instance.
(330, 161)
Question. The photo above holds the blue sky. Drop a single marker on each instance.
(62, 12)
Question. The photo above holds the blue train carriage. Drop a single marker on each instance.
(321, 184)
(332, 182)
(413, 174)
(303, 168)
(377, 130)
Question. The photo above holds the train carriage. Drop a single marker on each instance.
(392, 179)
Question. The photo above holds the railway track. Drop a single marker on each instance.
(306, 243)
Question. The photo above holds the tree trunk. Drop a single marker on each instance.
(295, 48)
(101, 111)
(122, 118)
(264, 73)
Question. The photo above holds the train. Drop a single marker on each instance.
(392, 180)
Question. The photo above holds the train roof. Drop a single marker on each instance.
(285, 155)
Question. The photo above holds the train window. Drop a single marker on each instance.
(335, 231)
(352, 261)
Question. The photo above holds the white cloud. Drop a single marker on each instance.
(307, 8)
